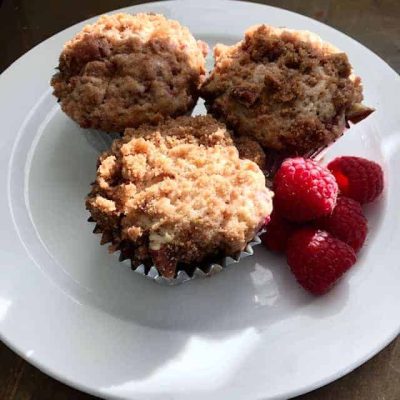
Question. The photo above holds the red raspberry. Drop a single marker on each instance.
(347, 223)
(317, 259)
(277, 233)
(304, 190)
(358, 178)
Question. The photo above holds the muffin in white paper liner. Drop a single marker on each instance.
(178, 196)
(289, 90)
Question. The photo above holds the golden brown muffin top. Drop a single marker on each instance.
(125, 70)
(181, 191)
(287, 89)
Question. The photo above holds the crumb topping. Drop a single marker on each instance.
(178, 193)
(287, 89)
(250, 149)
(125, 70)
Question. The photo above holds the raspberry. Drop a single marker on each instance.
(317, 259)
(347, 223)
(277, 233)
(358, 178)
(304, 190)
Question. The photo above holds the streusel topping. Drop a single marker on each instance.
(179, 193)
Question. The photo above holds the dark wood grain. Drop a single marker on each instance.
(375, 23)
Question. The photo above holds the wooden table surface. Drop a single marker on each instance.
(375, 23)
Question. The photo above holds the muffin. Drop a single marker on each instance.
(287, 89)
(177, 195)
(250, 149)
(125, 70)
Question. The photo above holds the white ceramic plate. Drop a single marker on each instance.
(250, 332)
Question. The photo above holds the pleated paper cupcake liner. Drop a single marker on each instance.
(205, 271)
(186, 273)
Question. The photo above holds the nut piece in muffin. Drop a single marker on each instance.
(177, 194)
(125, 70)
(287, 89)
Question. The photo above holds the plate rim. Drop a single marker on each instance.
(306, 388)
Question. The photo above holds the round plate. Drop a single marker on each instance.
(251, 332)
